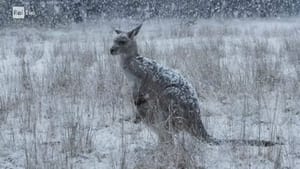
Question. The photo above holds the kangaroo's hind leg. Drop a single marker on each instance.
(184, 110)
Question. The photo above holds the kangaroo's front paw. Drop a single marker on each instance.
(137, 119)
(139, 101)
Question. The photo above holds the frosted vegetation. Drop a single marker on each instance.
(65, 103)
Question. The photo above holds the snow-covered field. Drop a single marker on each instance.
(65, 103)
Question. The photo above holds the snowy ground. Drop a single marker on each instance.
(65, 103)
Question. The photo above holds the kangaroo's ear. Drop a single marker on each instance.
(134, 32)
(118, 31)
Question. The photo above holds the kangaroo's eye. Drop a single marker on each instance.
(122, 42)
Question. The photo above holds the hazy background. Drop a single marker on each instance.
(66, 104)
(53, 12)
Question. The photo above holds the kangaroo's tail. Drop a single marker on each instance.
(241, 142)
(202, 134)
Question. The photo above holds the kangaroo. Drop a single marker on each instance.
(164, 99)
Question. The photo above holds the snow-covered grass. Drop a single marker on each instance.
(65, 103)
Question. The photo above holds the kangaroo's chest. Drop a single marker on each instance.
(133, 80)
(137, 70)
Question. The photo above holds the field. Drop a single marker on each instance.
(66, 104)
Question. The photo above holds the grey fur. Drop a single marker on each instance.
(165, 100)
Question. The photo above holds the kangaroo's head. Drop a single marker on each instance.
(125, 44)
